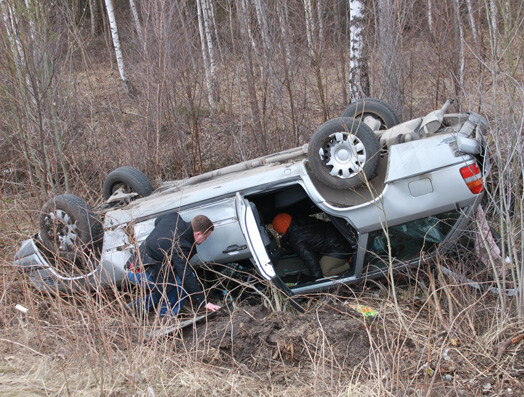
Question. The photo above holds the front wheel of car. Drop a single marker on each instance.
(343, 153)
(373, 112)
(69, 229)
(128, 180)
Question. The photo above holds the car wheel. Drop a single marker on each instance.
(69, 229)
(371, 110)
(130, 180)
(343, 153)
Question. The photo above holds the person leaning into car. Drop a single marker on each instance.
(321, 247)
(162, 266)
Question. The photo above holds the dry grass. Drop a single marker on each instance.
(88, 345)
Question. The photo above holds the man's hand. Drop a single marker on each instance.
(211, 307)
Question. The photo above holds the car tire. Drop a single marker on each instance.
(375, 108)
(131, 179)
(343, 153)
(69, 228)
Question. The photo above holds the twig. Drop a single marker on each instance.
(21, 345)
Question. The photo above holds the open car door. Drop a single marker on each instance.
(251, 228)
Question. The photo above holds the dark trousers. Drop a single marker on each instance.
(169, 294)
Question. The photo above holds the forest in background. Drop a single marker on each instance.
(201, 84)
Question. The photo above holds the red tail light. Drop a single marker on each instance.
(473, 178)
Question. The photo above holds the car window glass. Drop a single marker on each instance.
(409, 239)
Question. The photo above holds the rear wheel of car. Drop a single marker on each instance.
(375, 110)
(129, 180)
(343, 153)
(70, 231)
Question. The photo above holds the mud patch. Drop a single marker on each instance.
(256, 337)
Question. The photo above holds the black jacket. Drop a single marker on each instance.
(171, 245)
(311, 238)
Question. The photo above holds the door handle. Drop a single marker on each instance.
(234, 248)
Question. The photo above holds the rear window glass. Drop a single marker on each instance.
(409, 239)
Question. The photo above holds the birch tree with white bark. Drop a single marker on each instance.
(356, 42)
(116, 44)
(205, 28)
(429, 15)
(472, 23)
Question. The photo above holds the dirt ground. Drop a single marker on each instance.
(253, 335)
(334, 335)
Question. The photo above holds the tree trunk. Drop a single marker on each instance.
(209, 22)
(246, 37)
(207, 63)
(116, 44)
(283, 18)
(93, 12)
(356, 42)
(390, 53)
(459, 78)
(320, 23)
(138, 25)
(314, 52)
(309, 27)
(429, 10)
(472, 24)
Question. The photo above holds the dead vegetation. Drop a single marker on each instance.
(88, 344)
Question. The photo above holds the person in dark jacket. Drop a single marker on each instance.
(162, 266)
(321, 247)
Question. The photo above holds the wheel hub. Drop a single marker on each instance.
(344, 154)
(62, 229)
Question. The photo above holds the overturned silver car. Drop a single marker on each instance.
(397, 192)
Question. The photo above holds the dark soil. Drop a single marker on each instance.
(253, 335)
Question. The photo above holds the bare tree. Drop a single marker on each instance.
(116, 44)
(287, 61)
(390, 53)
(206, 27)
(283, 23)
(429, 13)
(472, 23)
(357, 87)
(314, 45)
(459, 72)
(247, 55)
(37, 102)
(134, 13)
(205, 54)
(93, 13)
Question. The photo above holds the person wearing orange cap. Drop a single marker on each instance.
(319, 244)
